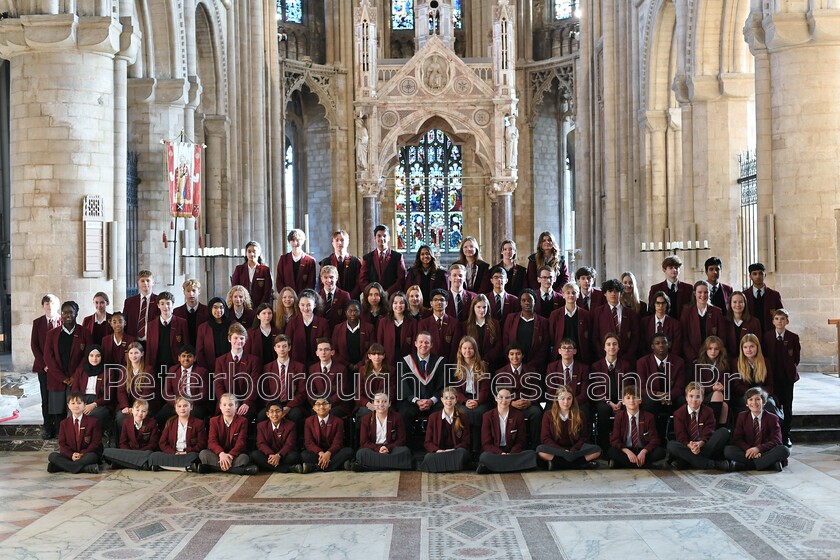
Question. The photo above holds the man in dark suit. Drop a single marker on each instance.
(679, 293)
(349, 267)
(719, 293)
(421, 376)
(382, 264)
(761, 300)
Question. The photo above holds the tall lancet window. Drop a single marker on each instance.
(402, 14)
(290, 11)
(564, 9)
(428, 195)
(457, 14)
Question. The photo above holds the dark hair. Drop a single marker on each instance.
(612, 285)
(282, 338)
(712, 261)
(73, 305)
(662, 294)
(438, 292)
(585, 271)
(168, 296)
(259, 250)
(498, 270)
(323, 340)
(756, 266)
(381, 227)
(514, 346)
(187, 349)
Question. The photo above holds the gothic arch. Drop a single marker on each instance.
(164, 41)
(457, 126)
(318, 83)
(660, 60)
(210, 58)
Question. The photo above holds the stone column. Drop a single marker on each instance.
(500, 192)
(217, 211)
(61, 150)
(370, 191)
(803, 51)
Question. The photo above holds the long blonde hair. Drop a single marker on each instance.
(575, 416)
(478, 366)
(757, 375)
(129, 369)
(280, 311)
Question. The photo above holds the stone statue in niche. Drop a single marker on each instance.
(434, 21)
(436, 73)
(362, 140)
(511, 142)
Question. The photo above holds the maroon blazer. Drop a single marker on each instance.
(735, 334)
(131, 312)
(142, 388)
(772, 301)
(481, 282)
(436, 428)
(38, 340)
(482, 394)
(683, 429)
(602, 323)
(368, 387)
(491, 432)
(243, 381)
(224, 439)
(685, 292)
(254, 344)
(648, 436)
(286, 276)
(80, 379)
(445, 339)
(55, 375)
(721, 297)
(490, 348)
(202, 313)
(196, 436)
(89, 323)
(510, 306)
(113, 353)
(466, 300)
(522, 385)
(333, 388)
(596, 300)
(178, 336)
(260, 290)
(690, 320)
(348, 273)
(270, 387)
(336, 314)
(771, 432)
(199, 385)
(439, 278)
(297, 334)
(515, 279)
(531, 275)
(386, 334)
(646, 367)
(739, 386)
(333, 439)
(144, 439)
(564, 439)
(380, 272)
(579, 380)
(205, 346)
(557, 330)
(281, 441)
(536, 357)
(670, 326)
(367, 336)
(90, 436)
(783, 355)
(599, 374)
(394, 431)
(247, 318)
(557, 302)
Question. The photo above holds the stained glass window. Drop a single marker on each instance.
(428, 195)
(456, 13)
(278, 9)
(294, 11)
(289, 206)
(564, 9)
(402, 14)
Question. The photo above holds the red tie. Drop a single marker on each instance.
(659, 326)
(236, 359)
(615, 319)
(183, 389)
(141, 321)
(78, 423)
(567, 377)
(756, 432)
(283, 395)
(695, 426)
(634, 433)
(323, 431)
(326, 370)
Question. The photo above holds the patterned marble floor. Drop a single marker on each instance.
(539, 515)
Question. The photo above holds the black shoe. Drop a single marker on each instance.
(777, 466)
(722, 466)
(250, 469)
(788, 443)
(481, 469)
(155, 468)
(303, 468)
(735, 466)
(47, 434)
(611, 464)
(91, 469)
(195, 467)
(52, 468)
(589, 465)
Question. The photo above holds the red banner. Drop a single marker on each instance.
(183, 172)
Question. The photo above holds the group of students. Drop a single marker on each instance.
(313, 350)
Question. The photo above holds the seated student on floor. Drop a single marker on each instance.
(139, 437)
(382, 440)
(565, 431)
(447, 437)
(324, 448)
(276, 441)
(92, 380)
(181, 439)
(79, 441)
(699, 443)
(226, 444)
(503, 439)
(634, 441)
(757, 438)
